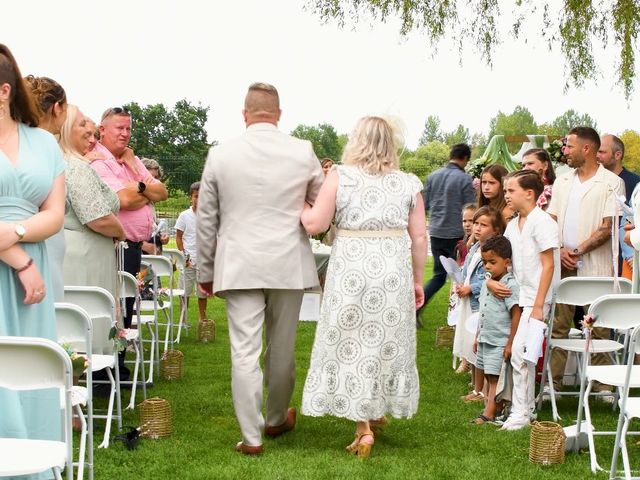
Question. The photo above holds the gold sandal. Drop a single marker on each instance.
(362, 450)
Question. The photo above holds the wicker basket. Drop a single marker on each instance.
(206, 331)
(444, 336)
(546, 446)
(171, 365)
(155, 418)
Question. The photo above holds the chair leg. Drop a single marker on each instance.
(118, 394)
(56, 473)
(623, 448)
(587, 416)
(83, 442)
(112, 394)
(547, 358)
(552, 396)
(134, 382)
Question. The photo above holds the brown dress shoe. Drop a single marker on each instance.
(289, 423)
(248, 449)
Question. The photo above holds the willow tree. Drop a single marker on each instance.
(575, 26)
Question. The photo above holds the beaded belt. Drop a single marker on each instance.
(370, 233)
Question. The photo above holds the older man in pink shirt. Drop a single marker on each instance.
(134, 185)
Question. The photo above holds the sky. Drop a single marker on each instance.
(106, 54)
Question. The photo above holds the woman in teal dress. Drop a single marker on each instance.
(31, 210)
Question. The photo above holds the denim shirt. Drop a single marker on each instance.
(494, 324)
(476, 279)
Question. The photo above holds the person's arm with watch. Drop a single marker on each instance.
(153, 189)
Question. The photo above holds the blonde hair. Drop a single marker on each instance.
(373, 145)
(65, 133)
(262, 99)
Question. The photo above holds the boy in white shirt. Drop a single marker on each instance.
(186, 242)
(534, 237)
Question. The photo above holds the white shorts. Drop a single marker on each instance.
(188, 282)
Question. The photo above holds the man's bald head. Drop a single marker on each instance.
(262, 104)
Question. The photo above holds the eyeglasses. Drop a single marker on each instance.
(116, 111)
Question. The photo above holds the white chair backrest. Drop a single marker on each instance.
(127, 285)
(161, 265)
(619, 311)
(74, 327)
(101, 307)
(175, 256)
(584, 290)
(28, 363)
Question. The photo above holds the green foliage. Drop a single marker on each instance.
(572, 25)
(425, 159)
(631, 139)
(431, 132)
(324, 139)
(519, 122)
(175, 137)
(459, 135)
(565, 122)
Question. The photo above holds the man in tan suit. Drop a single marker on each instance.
(253, 251)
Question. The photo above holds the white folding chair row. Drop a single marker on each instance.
(128, 288)
(616, 312)
(577, 291)
(178, 259)
(74, 328)
(162, 268)
(43, 364)
(100, 305)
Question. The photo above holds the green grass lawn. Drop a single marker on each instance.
(438, 443)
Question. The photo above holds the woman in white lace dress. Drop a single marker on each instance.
(363, 364)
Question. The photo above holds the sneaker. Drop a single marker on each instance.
(514, 423)
(473, 396)
(607, 396)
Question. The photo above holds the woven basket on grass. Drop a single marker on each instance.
(444, 336)
(206, 331)
(155, 418)
(546, 446)
(171, 365)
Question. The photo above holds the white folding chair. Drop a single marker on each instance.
(178, 259)
(617, 312)
(629, 409)
(101, 306)
(74, 328)
(128, 288)
(43, 364)
(162, 267)
(577, 291)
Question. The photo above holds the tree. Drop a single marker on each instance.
(565, 122)
(326, 142)
(431, 132)
(459, 135)
(519, 122)
(631, 140)
(575, 26)
(175, 137)
(425, 159)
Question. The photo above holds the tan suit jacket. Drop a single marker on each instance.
(252, 193)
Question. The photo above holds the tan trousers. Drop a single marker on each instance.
(562, 323)
(247, 312)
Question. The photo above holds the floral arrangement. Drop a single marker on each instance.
(145, 286)
(555, 150)
(119, 337)
(79, 362)
(588, 321)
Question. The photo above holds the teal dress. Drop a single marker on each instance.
(23, 189)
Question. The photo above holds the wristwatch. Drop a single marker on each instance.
(20, 231)
(141, 187)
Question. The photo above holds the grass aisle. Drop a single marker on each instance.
(438, 443)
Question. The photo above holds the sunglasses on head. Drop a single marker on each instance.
(116, 111)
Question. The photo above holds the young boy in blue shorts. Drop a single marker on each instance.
(498, 322)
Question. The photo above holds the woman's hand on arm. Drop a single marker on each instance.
(109, 226)
(317, 219)
(29, 278)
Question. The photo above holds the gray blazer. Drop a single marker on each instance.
(252, 193)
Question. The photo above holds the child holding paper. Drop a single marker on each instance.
(536, 259)
(498, 321)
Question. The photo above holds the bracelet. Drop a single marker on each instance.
(22, 269)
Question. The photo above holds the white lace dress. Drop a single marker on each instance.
(363, 363)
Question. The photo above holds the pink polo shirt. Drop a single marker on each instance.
(137, 224)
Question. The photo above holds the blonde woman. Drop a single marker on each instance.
(363, 361)
(90, 222)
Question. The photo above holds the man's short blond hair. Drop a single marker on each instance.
(262, 99)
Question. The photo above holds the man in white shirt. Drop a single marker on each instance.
(186, 242)
(583, 202)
